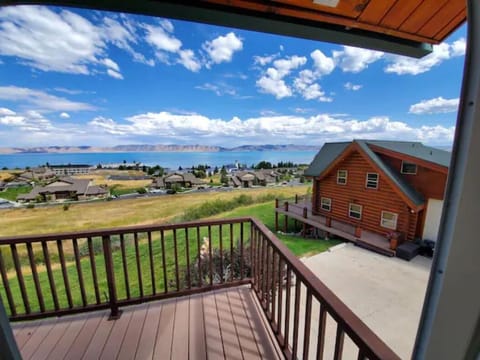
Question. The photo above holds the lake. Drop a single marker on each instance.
(165, 159)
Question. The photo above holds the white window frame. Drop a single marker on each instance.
(385, 222)
(367, 181)
(409, 163)
(342, 177)
(329, 200)
(354, 211)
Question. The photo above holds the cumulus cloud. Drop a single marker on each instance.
(222, 48)
(323, 64)
(435, 106)
(65, 115)
(402, 65)
(31, 121)
(31, 34)
(355, 60)
(41, 100)
(264, 60)
(162, 40)
(352, 87)
(292, 128)
(272, 81)
(189, 60)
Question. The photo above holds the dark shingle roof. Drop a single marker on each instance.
(328, 153)
(416, 149)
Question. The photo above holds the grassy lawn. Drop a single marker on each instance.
(12, 193)
(263, 211)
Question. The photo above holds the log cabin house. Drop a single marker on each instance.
(381, 186)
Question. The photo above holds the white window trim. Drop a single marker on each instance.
(382, 224)
(376, 182)
(350, 210)
(338, 177)
(409, 173)
(329, 203)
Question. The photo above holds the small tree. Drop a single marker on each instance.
(223, 176)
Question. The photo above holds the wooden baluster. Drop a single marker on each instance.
(232, 272)
(21, 282)
(296, 317)
(79, 272)
(266, 297)
(109, 270)
(125, 266)
(280, 294)
(152, 266)
(210, 254)
(6, 286)
(321, 332)
(51, 280)
(199, 256)
(340, 336)
(242, 271)
(164, 264)
(287, 307)
(66, 282)
(273, 287)
(93, 268)
(308, 319)
(187, 253)
(175, 250)
(36, 280)
(220, 243)
(139, 265)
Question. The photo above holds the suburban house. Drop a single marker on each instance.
(70, 169)
(38, 173)
(381, 186)
(2, 185)
(249, 178)
(185, 180)
(64, 189)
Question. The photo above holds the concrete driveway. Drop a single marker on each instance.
(386, 293)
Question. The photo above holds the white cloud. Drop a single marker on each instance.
(222, 48)
(435, 106)
(190, 128)
(6, 112)
(30, 121)
(402, 65)
(264, 60)
(189, 60)
(352, 87)
(167, 25)
(42, 100)
(323, 65)
(111, 64)
(218, 89)
(355, 60)
(114, 74)
(272, 80)
(161, 39)
(65, 115)
(305, 85)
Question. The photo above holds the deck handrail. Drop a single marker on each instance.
(134, 264)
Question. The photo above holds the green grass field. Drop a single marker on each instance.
(12, 193)
(263, 211)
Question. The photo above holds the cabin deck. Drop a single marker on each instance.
(215, 325)
(367, 239)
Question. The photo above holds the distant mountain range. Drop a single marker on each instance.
(147, 148)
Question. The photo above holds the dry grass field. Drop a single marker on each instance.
(140, 211)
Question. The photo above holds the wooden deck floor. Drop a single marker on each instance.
(224, 324)
(368, 239)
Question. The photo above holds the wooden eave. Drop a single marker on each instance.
(409, 158)
(406, 27)
(354, 147)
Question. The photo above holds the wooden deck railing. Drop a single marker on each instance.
(53, 275)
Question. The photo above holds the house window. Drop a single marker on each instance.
(326, 204)
(389, 220)
(372, 181)
(409, 168)
(355, 211)
(342, 177)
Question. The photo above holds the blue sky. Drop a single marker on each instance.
(77, 77)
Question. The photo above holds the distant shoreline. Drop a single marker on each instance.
(151, 148)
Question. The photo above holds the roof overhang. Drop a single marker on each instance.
(401, 27)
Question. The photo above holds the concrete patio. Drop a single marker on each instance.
(386, 293)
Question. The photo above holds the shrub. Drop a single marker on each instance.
(142, 190)
(30, 206)
(66, 207)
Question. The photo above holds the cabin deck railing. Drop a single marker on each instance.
(60, 274)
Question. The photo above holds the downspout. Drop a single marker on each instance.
(450, 323)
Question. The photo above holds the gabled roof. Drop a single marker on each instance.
(330, 152)
(415, 149)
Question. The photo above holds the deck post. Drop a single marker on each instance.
(296, 198)
(276, 220)
(286, 205)
(276, 203)
(305, 212)
(358, 231)
(285, 224)
(112, 292)
(328, 221)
